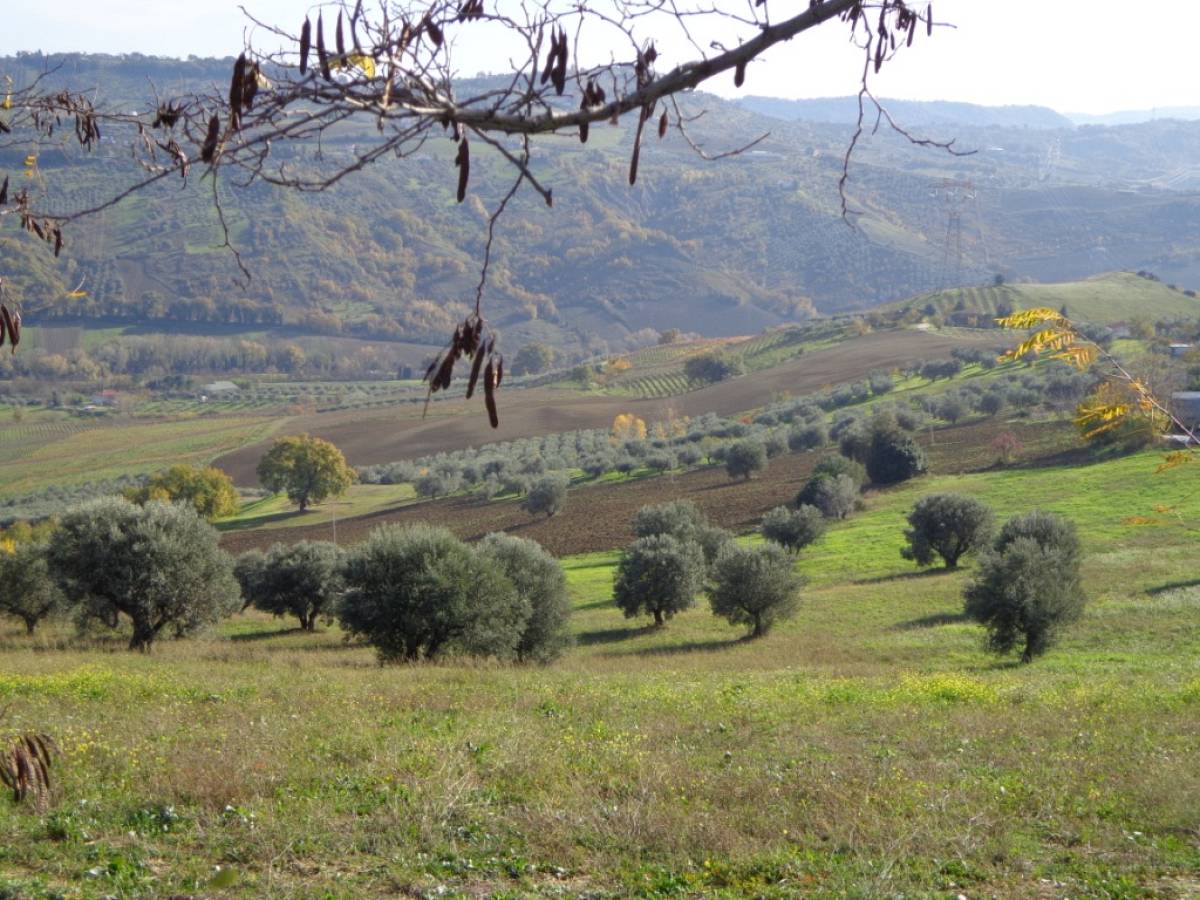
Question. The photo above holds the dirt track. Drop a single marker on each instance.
(371, 436)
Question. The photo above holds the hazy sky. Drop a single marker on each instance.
(1089, 56)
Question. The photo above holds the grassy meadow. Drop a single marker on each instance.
(869, 747)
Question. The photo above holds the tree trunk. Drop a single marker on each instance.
(30, 624)
(143, 636)
(658, 618)
(758, 627)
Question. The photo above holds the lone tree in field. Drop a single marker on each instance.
(27, 592)
(308, 469)
(157, 564)
(209, 490)
(946, 525)
(302, 580)
(547, 496)
(542, 586)
(711, 367)
(793, 529)
(419, 592)
(658, 576)
(1028, 587)
(744, 458)
(754, 586)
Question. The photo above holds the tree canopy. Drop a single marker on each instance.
(308, 469)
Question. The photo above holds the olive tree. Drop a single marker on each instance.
(754, 586)
(27, 591)
(547, 495)
(541, 584)
(302, 580)
(893, 456)
(248, 571)
(659, 576)
(793, 529)
(946, 525)
(744, 458)
(1028, 587)
(835, 496)
(417, 592)
(158, 564)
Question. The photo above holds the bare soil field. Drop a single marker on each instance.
(597, 517)
(368, 437)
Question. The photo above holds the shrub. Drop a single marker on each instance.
(659, 576)
(302, 580)
(660, 461)
(158, 564)
(1028, 587)
(835, 496)
(744, 458)
(775, 444)
(793, 529)
(434, 484)
(597, 464)
(27, 591)
(880, 382)
(541, 585)
(754, 586)
(893, 457)
(418, 591)
(951, 408)
(547, 495)
(807, 437)
(854, 442)
(948, 525)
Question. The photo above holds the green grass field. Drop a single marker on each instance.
(276, 511)
(1113, 297)
(870, 747)
(47, 449)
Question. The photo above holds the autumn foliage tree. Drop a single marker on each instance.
(209, 490)
(308, 469)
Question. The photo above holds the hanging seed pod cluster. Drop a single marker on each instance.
(473, 340)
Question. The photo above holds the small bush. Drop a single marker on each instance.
(807, 437)
(754, 586)
(948, 525)
(793, 529)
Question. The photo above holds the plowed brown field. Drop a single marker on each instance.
(371, 436)
(597, 517)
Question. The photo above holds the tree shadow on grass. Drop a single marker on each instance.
(687, 647)
(905, 576)
(932, 621)
(611, 635)
(1172, 586)
(267, 634)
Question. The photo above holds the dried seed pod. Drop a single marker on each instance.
(637, 149)
(250, 85)
(339, 40)
(739, 75)
(475, 367)
(236, 86)
(583, 126)
(58, 241)
(3, 327)
(209, 148)
(322, 56)
(662, 125)
(463, 161)
(305, 41)
(499, 370)
(560, 72)
(489, 394)
(929, 20)
(13, 326)
(434, 32)
(4, 191)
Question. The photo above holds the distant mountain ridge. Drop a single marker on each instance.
(844, 111)
(719, 248)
